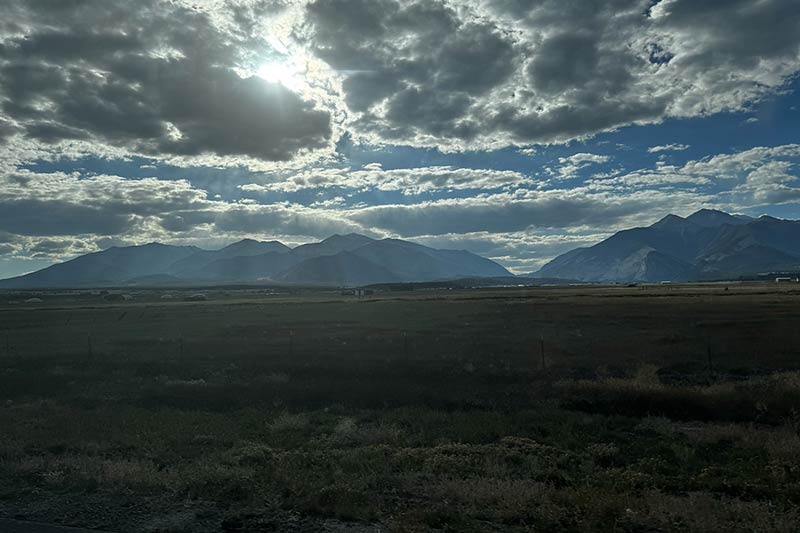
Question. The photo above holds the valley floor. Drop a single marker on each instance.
(649, 408)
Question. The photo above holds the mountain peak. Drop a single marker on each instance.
(345, 242)
(713, 218)
(348, 237)
(706, 211)
(253, 247)
(670, 221)
(708, 244)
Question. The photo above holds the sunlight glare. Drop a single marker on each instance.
(275, 72)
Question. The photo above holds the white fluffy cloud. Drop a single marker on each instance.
(673, 147)
(569, 166)
(490, 73)
(409, 181)
(755, 177)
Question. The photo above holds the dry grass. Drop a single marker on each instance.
(626, 430)
(770, 400)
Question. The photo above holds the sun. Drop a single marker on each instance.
(275, 72)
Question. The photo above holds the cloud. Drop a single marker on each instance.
(57, 214)
(581, 158)
(411, 70)
(521, 210)
(570, 166)
(732, 166)
(774, 182)
(409, 181)
(175, 80)
(673, 147)
(284, 219)
(487, 74)
(154, 78)
(52, 217)
(510, 218)
(758, 176)
(67, 204)
(736, 181)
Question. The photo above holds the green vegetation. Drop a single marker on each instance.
(656, 408)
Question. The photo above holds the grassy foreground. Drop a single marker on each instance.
(572, 409)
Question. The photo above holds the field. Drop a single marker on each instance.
(650, 408)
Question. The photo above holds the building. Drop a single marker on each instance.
(359, 293)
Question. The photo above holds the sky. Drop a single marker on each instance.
(516, 129)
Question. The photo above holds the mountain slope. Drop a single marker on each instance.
(331, 246)
(344, 268)
(338, 260)
(188, 266)
(245, 268)
(399, 261)
(107, 267)
(708, 244)
(268, 265)
(414, 262)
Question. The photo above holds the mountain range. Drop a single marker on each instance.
(340, 260)
(707, 245)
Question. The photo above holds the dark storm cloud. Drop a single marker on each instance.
(564, 61)
(150, 77)
(421, 62)
(7, 129)
(160, 78)
(53, 217)
(492, 73)
(738, 32)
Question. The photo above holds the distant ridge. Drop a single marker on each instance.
(339, 260)
(708, 244)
